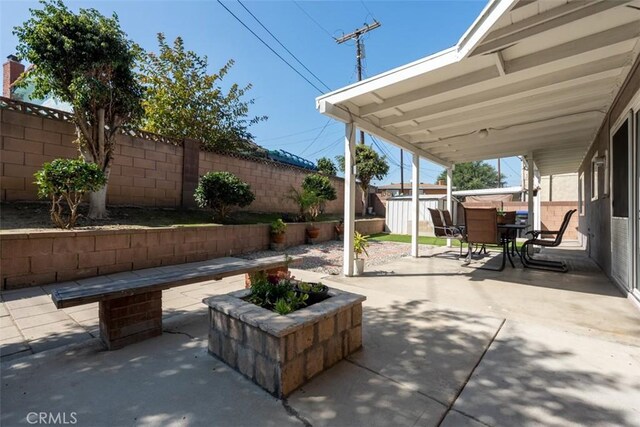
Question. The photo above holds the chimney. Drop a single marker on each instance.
(11, 70)
(442, 182)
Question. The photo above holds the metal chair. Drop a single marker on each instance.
(481, 227)
(443, 227)
(529, 262)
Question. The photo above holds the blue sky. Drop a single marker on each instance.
(410, 30)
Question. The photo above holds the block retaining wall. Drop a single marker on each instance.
(38, 258)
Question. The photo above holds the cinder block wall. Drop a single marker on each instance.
(38, 258)
(145, 172)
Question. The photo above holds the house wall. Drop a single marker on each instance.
(595, 224)
(147, 169)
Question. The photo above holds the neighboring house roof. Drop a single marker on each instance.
(530, 77)
(488, 191)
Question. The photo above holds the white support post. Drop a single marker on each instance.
(530, 185)
(415, 204)
(450, 197)
(537, 216)
(349, 197)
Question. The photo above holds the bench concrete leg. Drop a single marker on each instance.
(127, 320)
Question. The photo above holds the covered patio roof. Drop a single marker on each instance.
(531, 78)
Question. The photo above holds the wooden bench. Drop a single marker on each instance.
(130, 303)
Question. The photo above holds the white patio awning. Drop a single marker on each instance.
(528, 77)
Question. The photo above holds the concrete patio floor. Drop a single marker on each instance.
(444, 345)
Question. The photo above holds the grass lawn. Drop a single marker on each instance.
(424, 240)
(405, 238)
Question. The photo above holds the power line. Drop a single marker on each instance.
(367, 9)
(317, 136)
(283, 46)
(270, 48)
(294, 134)
(313, 20)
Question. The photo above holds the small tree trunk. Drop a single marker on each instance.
(365, 195)
(98, 199)
(98, 204)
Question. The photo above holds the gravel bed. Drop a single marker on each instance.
(326, 257)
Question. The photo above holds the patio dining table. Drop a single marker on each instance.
(507, 231)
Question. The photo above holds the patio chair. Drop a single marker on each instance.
(481, 228)
(443, 230)
(530, 262)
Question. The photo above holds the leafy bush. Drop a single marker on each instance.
(320, 185)
(306, 201)
(66, 181)
(221, 191)
(326, 166)
(320, 189)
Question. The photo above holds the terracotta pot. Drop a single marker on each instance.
(502, 219)
(313, 232)
(277, 238)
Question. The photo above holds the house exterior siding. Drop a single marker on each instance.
(595, 225)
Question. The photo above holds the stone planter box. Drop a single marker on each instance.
(281, 353)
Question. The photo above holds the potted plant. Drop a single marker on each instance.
(501, 217)
(278, 228)
(339, 229)
(360, 244)
(316, 291)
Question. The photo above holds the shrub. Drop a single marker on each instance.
(326, 166)
(66, 181)
(320, 185)
(306, 201)
(220, 191)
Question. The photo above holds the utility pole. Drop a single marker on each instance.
(359, 50)
(499, 174)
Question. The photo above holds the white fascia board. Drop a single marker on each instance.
(488, 191)
(482, 25)
(405, 72)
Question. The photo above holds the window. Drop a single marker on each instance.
(620, 171)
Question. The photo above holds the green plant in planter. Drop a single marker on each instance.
(278, 226)
(360, 244)
(279, 297)
(66, 181)
(305, 200)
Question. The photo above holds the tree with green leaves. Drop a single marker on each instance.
(474, 176)
(326, 166)
(369, 166)
(320, 185)
(86, 60)
(183, 100)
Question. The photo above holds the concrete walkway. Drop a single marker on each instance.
(443, 345)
